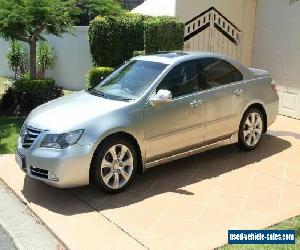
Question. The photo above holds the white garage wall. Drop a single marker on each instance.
(277, 49)
(72, 62)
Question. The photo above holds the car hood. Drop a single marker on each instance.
(70, 112)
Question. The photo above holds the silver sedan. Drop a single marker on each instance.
(151, 110)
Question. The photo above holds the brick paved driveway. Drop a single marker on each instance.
(187, 204)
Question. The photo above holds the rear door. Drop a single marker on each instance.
(224, 99)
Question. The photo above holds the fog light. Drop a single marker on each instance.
(52, 176)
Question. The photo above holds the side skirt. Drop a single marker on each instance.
(233, 139)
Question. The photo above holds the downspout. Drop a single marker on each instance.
(175, 7)
(243, 32)
(254, 33)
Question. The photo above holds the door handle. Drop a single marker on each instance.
(238, 92)
(195, 103)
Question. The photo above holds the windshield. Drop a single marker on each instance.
(130, 81)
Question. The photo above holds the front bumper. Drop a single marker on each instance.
(60, 168)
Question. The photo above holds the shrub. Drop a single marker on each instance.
(45, 58)
(95, 75)
(8, 98)
(16, 57)
(25, 76)
(114, 39)
(163, 34)
(25, 95)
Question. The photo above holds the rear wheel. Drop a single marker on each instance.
(114, 165)
(251, 129)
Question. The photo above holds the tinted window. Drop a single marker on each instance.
(216, 72)
(237, 75)
(183, 79)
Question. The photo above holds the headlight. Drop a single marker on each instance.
(60, 141)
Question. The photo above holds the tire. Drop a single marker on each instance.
(251, 129)
(114, 165)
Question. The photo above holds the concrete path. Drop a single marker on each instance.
(187, 204)
(20, 228)
(73, 220)
(6, 242)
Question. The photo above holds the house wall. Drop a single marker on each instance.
(277, 49)
(157, 8)
(240, 12)
(72, 59)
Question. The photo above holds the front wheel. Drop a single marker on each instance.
(251, 129)
(114, 165)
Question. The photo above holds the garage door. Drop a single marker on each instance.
(277, 49)
(289, 101)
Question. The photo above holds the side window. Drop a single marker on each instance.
(183, 79)
(237, 75)
(217, 72)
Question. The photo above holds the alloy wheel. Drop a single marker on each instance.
(117, 166)
(252, 129)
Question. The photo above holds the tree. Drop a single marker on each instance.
(293, 1)
(27, 20)
(104, 7)
(101, 7)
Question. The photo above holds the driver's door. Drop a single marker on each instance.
(178, 125)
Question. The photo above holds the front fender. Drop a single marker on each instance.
(115, 122)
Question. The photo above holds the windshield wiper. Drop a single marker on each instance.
(113, 97)
(96, 92)
(125, 99)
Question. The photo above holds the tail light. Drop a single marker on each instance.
(273, 86)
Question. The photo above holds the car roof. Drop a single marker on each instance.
(171, 57)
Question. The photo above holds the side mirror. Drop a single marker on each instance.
(161, 97)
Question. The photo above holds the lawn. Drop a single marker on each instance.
(293, 223)
(9, 132)
(2, 85)
(9, 128)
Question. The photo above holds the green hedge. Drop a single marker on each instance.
(163, 34)
(25, 95)
(114, 39)
(96, 73)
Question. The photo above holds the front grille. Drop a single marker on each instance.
(28, 136)
(42, 173)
